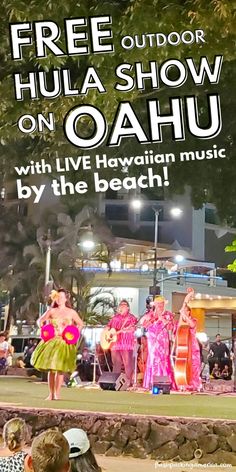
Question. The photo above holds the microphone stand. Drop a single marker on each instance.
(135, 384)
(94, 384)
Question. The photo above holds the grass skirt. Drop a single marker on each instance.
(55, 355)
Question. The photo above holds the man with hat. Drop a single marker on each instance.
(122, 350)
(159, 324)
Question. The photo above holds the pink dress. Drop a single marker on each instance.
(196, 382)
(158, 361)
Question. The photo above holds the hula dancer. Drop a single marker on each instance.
(56, 353)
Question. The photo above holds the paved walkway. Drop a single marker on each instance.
(117, 464)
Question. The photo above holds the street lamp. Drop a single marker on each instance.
(176, 212)
(179, 258)
(137, 204)
(88, 244)
(48, 258)
(157, 212)
(87, 240)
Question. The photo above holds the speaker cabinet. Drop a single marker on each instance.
(162, 383)
(113, 381)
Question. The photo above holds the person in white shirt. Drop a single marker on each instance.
(4, 348)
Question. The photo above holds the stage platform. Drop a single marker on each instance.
(23, 392)
(176, 427)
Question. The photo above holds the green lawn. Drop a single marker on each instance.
(24, 392)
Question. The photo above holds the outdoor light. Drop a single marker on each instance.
(136, 203)
(176, 212)
(144, 268)
(115, 264)
(179, 258)
(202, 337)
(138, 332)
(88, 244)
(3, 193)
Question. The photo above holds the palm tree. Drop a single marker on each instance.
(232, 248)
(14, 273)
(66, 260)
(22, 252)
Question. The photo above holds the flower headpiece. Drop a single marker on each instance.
(54, 295)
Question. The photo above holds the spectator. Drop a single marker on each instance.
(233, 356)
(4, 348)
(216, 374)
(81, 456)
(49, 453)
(20, 363)
(15, 436)
(85, 365)
(10, 355)
(28, 351)
(219, 352)
(204, 359)
(225, 374)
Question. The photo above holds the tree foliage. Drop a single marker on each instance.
(232, 248)
(22, 253)
(209, 179)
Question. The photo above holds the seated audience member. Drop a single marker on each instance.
(81, 456)
(216, 374)
(4, 347)
(49, 453)
(28, 351)
(85, 365)
(15, 437)
(10, 352)
(10, 356)
(20, 363)
(225, 374)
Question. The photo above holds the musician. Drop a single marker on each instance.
(122, 350)
(195, 383)
(159, 324)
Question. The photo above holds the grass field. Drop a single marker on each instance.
(26, 393)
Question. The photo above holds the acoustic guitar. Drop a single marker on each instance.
(110, 335)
